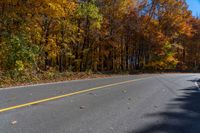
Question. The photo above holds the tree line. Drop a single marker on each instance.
(98, 35)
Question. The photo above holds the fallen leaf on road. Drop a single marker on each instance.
(82, 107)
(14, 122)
(124, 91)
(92, 94)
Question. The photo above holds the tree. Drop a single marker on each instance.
(97, 35)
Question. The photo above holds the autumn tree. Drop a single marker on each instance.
(97, 35)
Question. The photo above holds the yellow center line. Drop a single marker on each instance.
(67, 95)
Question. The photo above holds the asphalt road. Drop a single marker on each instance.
(149, 103)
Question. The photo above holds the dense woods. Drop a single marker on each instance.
(97, 35)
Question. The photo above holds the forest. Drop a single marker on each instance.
(56, 36)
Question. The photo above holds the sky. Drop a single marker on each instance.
(194, 6)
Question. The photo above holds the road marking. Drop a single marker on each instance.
(197, 85)
(58, 82)
(67, 95)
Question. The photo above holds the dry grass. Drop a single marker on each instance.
(46, 77)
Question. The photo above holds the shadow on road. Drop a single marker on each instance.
(182, 115)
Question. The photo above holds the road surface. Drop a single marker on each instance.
(148, 103)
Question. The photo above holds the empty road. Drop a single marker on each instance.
(147, 103)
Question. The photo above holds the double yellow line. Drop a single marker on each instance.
(67, 95)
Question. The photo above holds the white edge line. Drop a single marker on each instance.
(197, 85)
(53, 82)
(59, 82)
(68, 81)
